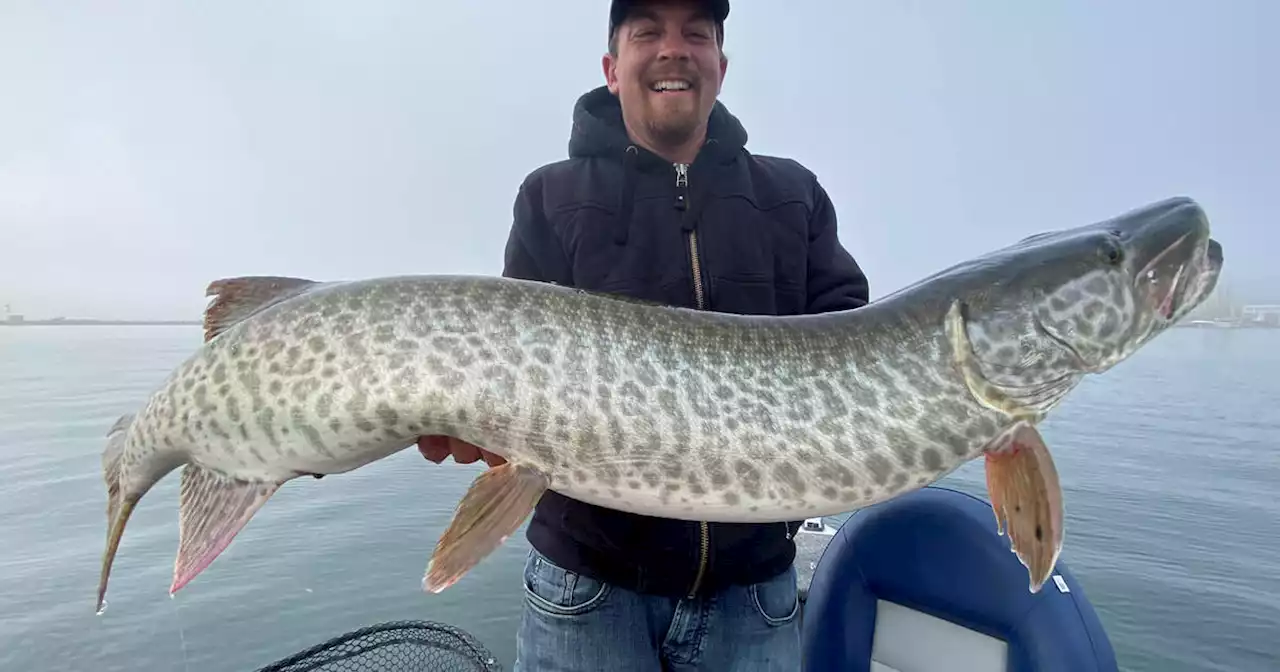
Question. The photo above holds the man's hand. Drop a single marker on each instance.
(437, 448)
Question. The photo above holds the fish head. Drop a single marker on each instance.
(1146, 270)
(1059, 305)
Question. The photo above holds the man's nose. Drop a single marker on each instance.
(674, 47)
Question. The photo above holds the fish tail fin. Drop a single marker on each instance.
(1026, 498)
(111, 462)
(493, 508)
(119, 505)
(212, 510)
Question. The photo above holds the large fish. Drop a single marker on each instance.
(653, 409)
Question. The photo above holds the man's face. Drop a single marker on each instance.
(668, 70)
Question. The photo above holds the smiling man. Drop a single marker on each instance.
(660, 200)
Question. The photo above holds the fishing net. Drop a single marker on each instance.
(397, 646)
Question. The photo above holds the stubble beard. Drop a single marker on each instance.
(673, 128)
(673, 134)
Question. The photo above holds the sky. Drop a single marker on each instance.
(144, 153)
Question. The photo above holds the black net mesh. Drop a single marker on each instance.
(398, 646)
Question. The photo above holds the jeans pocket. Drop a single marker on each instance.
(777, 599)
(556, 591)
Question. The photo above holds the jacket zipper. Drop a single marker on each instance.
(682, 203)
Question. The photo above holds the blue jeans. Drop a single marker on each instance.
(573, 623)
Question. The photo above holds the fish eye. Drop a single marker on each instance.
(1112, 252)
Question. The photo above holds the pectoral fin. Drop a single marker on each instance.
(494, 507)
(212, 509)
(1022, 483)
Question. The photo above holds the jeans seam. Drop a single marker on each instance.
(772, 620)
(550, 608)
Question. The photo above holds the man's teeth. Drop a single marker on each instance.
(671, 85)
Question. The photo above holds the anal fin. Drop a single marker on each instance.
(1026, 498)
(212, 509)
(493, 508)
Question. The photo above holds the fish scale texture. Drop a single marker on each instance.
(664, 411)
(396, 646)
(649, 409)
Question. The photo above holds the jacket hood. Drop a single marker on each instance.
(598, 130)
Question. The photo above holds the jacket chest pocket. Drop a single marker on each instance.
(648, 259)
(746, 243)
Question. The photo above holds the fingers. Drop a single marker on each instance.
(434, 448)
(437, 448)
(463, 452)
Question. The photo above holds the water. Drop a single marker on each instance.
(1170, 465)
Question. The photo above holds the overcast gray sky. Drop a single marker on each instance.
(146, 152)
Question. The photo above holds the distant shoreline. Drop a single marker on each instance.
(102, 323)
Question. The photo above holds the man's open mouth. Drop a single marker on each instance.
(668, 85)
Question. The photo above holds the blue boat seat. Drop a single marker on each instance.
(923, 583)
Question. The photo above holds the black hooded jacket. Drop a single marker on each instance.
(737, 233)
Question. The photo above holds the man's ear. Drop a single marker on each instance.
(610, 67)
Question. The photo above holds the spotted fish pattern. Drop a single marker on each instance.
(660, 410)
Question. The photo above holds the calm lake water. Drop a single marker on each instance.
(1170, 465)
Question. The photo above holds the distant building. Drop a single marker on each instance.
(1260, 315)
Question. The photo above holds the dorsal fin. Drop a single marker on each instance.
(238, 298)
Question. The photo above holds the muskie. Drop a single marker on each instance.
(653, 409)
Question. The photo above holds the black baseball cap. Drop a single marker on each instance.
(618, 10)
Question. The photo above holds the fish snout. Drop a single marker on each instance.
(1213, 253)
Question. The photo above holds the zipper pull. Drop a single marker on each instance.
(682, 186)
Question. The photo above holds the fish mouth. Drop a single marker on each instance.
(1172, 288)
(1163, 280)
(1183, 258)
(1213, 256)
(1207, 279)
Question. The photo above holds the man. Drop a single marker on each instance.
(659, 200)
